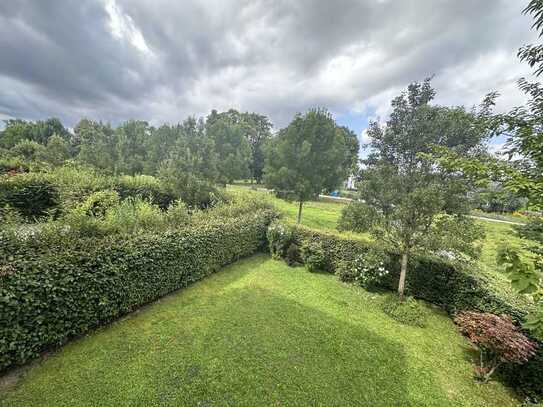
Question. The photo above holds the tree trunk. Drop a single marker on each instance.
(300, 212)
(403, 272)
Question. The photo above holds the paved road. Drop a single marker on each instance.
(498, 220)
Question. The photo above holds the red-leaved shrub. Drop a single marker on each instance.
(497, 339)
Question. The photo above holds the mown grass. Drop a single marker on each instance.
(259, 334)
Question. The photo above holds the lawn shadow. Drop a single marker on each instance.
(271, 350)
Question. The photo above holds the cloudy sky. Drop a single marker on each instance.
(163, 60)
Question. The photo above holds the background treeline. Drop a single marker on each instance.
(190, 158)
(222, 147)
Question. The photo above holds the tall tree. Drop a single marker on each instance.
(191, 166)
(130, 146)
(306, 157)
(232, 148)
(256, 129)
(17, 130)
(524, 125)
(406, 201)
(96, 144)
(353, 147)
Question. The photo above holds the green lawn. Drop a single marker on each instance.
(260, 333)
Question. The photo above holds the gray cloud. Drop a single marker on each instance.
(163, 60)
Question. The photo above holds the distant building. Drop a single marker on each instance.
(350, 183)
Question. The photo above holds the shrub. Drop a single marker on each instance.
(32, 194)
(199, 194)
(135, 215)
(81, 224)
(145, 187)
(12, 165)
(98, 203)
(53, 293)
(408, 312)
(76, 182)
(497, 340)
(346, 272)
(293, 255)
(533, 230)
(314, 256)
(28, 150)
(10, 216)
(367, 269)
(235, 204)
(280, 237)
(177, 214)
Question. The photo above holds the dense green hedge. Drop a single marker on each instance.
(146, 187)
(431, 279)
(49, 294)
(32, 194)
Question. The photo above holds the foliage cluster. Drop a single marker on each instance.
(367, 270)
(310, 156)
(497, 339)
(406, 202)
(313, 256)
(408, 312)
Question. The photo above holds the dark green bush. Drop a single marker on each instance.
(280, 237)
(75, 183)
(293, 256)
(98, 203)
(32, 194)
(11, 164)
(51, 292)
(146, 187)
(314, 256)
(408, 312)
(368, 269)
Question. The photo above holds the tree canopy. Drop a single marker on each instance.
(406, 201)
(308, 156)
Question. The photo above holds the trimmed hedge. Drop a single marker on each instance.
(59, 293)
(432, 279)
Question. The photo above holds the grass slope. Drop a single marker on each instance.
(260, 333)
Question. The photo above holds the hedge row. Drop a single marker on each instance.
(433, 280)
(45, 299)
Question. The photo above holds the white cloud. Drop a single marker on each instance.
(123, 28)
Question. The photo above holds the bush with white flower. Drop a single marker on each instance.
(280, 237)
(367, 269)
